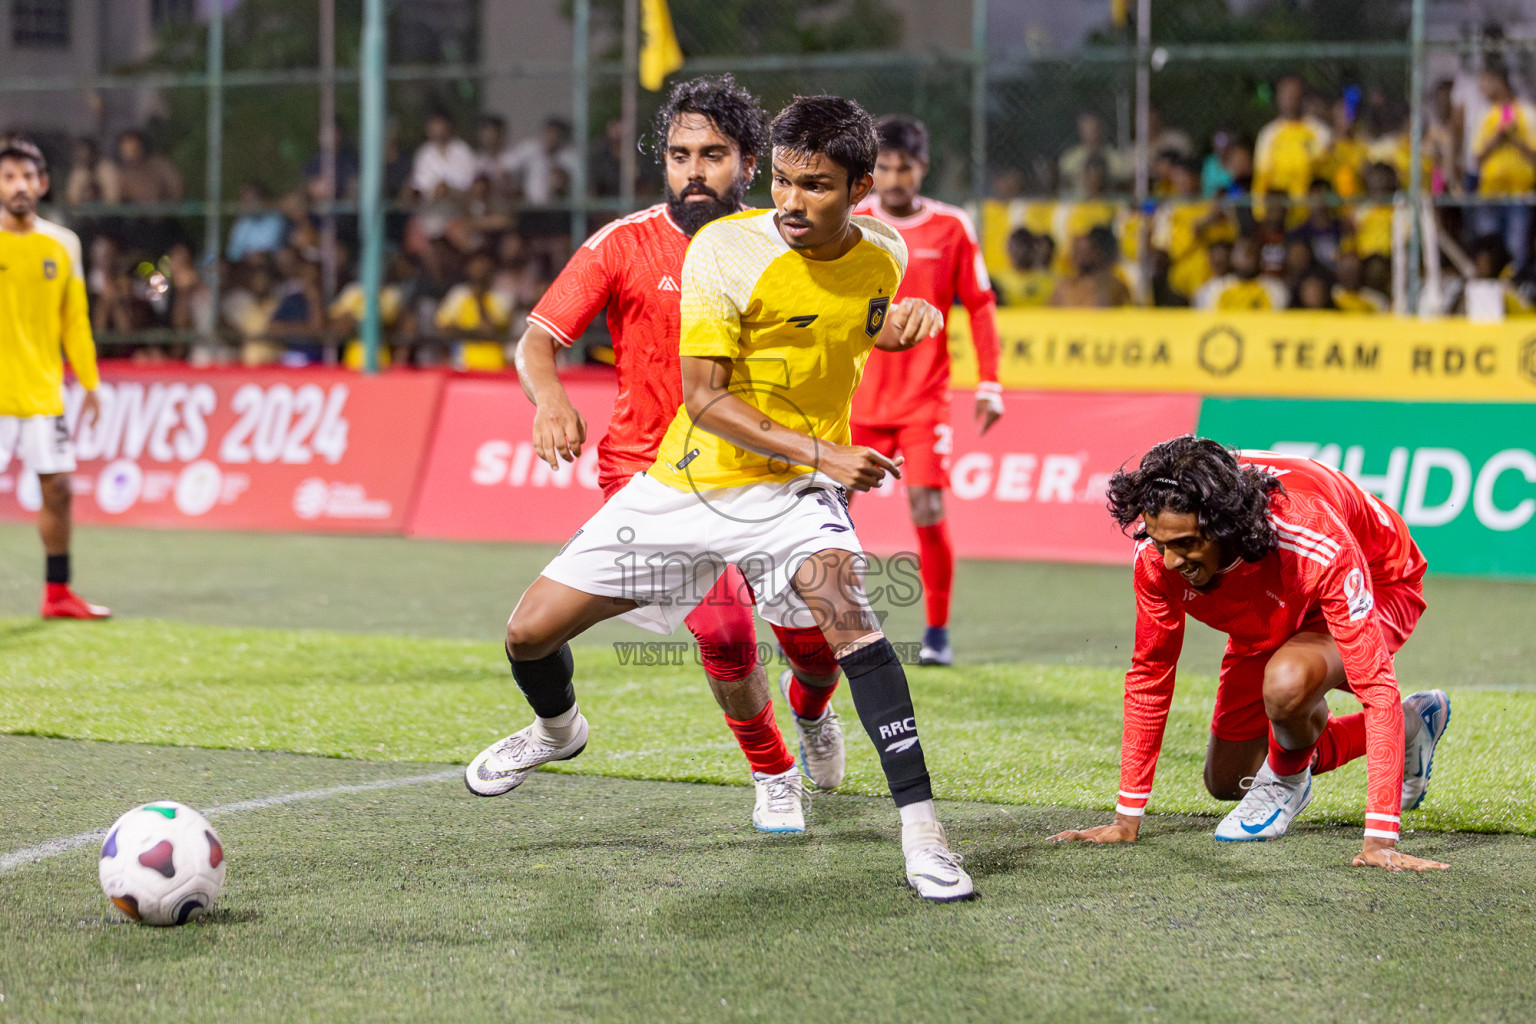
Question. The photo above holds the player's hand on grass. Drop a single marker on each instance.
(855, 467)
(911, 321)
(1122, 830)
(1383, 853)
(90, 411)
(558, 430)
(989, 406)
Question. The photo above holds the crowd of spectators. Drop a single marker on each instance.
(1307, 215)
(475, 235)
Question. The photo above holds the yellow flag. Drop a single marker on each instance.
(1121, 11)
(659, 53)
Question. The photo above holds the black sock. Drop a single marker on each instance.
(546, 682)
(878, 685)
(57, 570)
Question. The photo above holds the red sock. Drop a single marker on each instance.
(57, 590)
(938, 570)
(1287, 762)
(809, 701)
(762, 742)
(1342, 741)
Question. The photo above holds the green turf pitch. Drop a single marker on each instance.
(600, 898)
(591, 899)
(1013, 733)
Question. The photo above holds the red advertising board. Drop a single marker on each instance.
(482, 480)
(1032, 488)
(304, 450)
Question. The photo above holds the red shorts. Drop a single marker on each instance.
(926, 446)
(1239, 713)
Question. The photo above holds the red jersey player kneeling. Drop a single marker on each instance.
(1316, 584)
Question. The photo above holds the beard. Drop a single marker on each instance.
(690, 215)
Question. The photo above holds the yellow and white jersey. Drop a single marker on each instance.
(798, 332)
(43, 316)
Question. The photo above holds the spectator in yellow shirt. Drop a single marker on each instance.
(1350, 294)
(1290, 148)
(1505, 148)
(477, 318)
(1371, 222)
(1029, 281)
(1185, 227)
(1249, 291)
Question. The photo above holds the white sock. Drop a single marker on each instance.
(560, 729)
(918, 813)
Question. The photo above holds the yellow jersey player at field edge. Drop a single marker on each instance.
(43, 316)
(780, 310)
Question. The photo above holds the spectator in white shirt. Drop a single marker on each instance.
(444, 163)
(494, 156)
(543, 163)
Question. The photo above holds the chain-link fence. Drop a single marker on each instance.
(1034, 110)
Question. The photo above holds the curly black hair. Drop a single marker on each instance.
(838, 127)
(1196, 475)
(731, 110)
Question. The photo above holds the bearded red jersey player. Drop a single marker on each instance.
(903, 403)
(708, 134)
(1317, 585)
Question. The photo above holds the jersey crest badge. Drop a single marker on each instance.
(876, 318)
(50, 269)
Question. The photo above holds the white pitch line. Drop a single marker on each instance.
(54, 847)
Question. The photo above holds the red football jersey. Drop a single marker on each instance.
(943, 264)
(633, 266)
(1337, 543)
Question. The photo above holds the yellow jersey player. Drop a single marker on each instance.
(780, 310)
(43, 316)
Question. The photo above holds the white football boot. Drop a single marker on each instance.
(778, 802)
(1268, 808)
(821, 742)
(1433, 709)
(933, 869)
(502, 767)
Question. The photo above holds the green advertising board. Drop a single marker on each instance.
(1462, 476)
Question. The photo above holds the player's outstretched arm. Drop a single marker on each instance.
(712, 407)
(1122, 830)
(558, 429)
(911, 321)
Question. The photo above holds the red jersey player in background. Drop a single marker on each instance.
(709, 134)
(903, 403)
(1317, 585)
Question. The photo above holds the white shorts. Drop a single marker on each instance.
(665, 548)
(41, 442)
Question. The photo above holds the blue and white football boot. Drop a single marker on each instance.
(1433, 709)
(1268, 808)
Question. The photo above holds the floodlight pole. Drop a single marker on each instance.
(371, 179)
(629, 103)
(978, 99)
(1415, 155)
(581, 67)
(328, 146)
(1142, 148)
(214, 172)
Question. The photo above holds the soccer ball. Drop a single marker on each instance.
(162, 864)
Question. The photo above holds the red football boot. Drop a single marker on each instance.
(59, 602)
